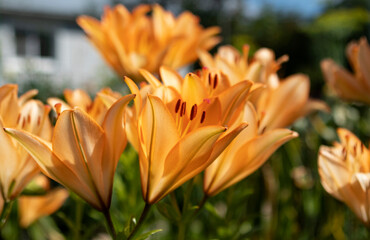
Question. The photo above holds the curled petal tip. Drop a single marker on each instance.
(294, 134)
(244, 125)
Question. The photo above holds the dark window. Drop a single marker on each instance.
(33, 43)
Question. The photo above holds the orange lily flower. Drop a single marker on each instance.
(262, 69)
(281, 102)
(31, 208)
(79, 98)
(345, 173)
(170, 152)
(82, 155)
(131, 41)
(351, 87)
(246, 153)
(16, 166)
(203, 91)
(280, 106)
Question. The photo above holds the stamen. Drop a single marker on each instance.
(183, 109)
(24, 122)
(263, 130)
(203, 117)
(215, 81)
(177, 105)
(193, 112)
(58, 108)
(209, 79)
(347, 137)
(28, 118)
(38, 121)
(18, 118)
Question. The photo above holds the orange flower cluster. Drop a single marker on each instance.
(351, 87)
(225, 119)
(345, 173)
(132, 41)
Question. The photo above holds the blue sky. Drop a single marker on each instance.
(306, 8)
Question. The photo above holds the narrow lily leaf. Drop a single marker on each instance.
(130, 225)
(148, 234)
(168, 211)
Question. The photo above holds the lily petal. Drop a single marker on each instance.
(192, 150)
(32, 208)
(247, 159)
(113, 126)
(154, 118)
(52, 166)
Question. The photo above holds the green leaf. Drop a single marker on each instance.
(168, 211)
(130, 225)
(147, 234)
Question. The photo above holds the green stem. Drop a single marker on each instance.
(187, 194)
(183, 224)
(5, 213)
(108, 218)
(181, 231)
(78, 218)
(200, 206)
(174, 202)
(144, 214)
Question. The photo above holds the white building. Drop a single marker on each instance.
(41, 37)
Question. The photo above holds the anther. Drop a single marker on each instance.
(177, 105)
(58, 108)
(28, 118)
(209, 79)
(18, 118)
(183, 109)
(24, 122)
(263, 130)
(38, 121)
(215, 81)
(203, 117)
(198, 73)
(193, 112)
